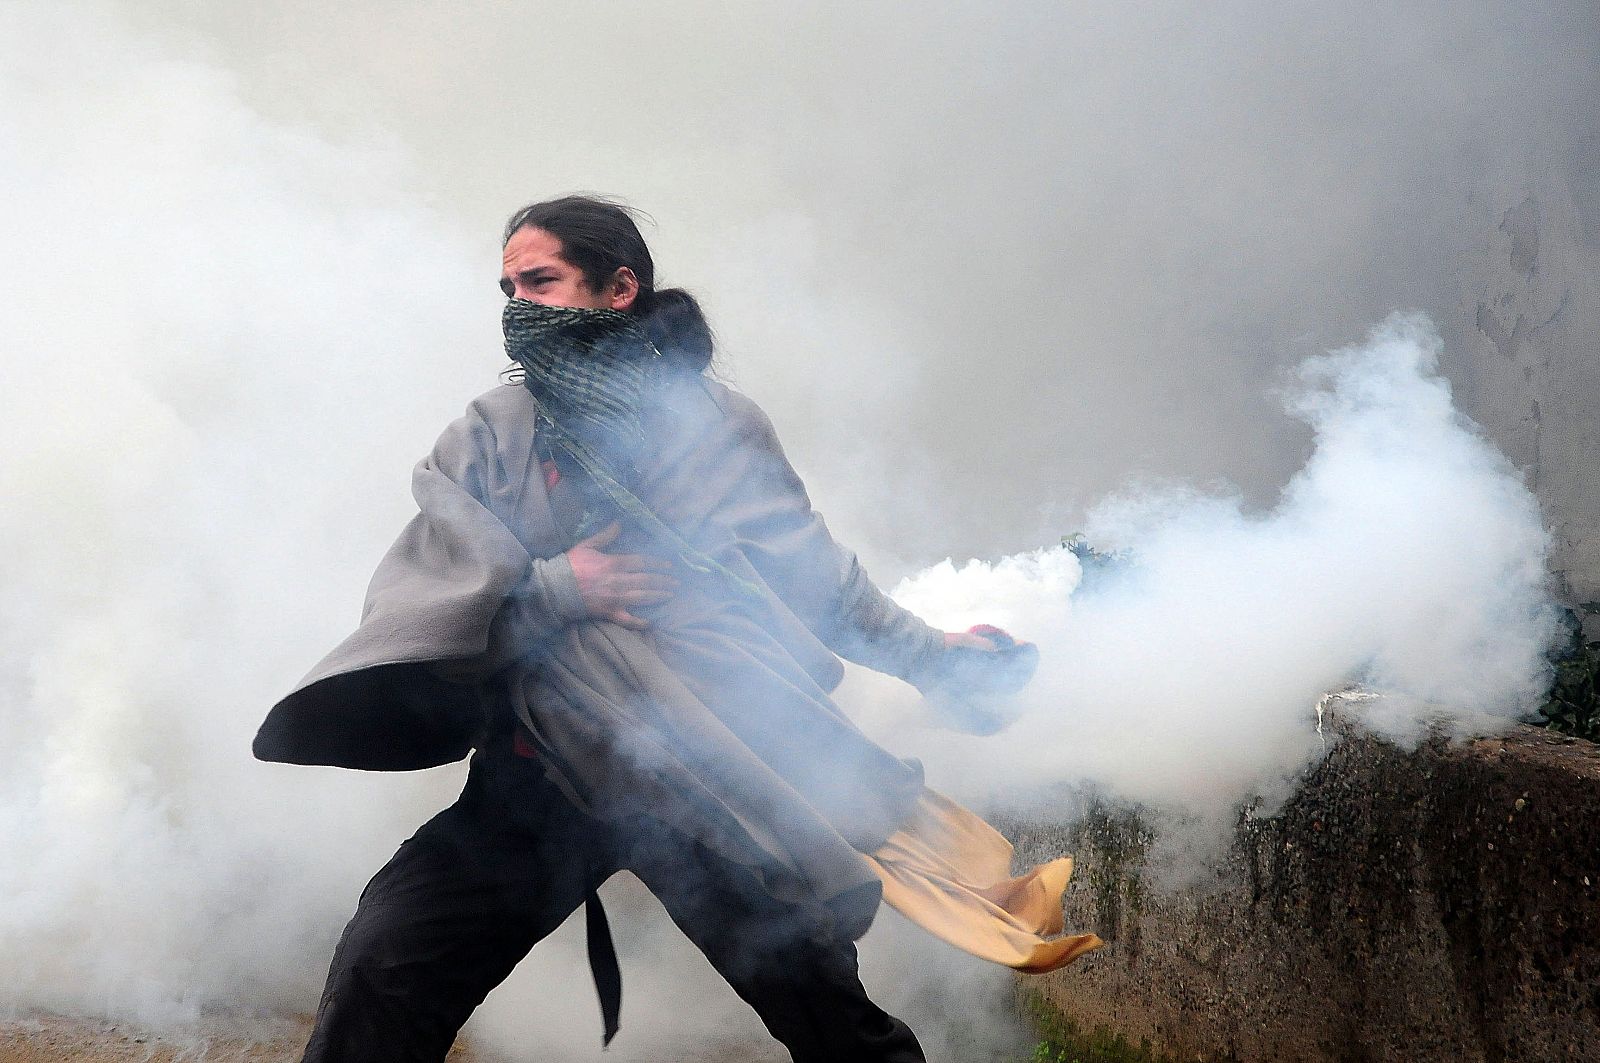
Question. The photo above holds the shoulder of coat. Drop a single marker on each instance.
(503, 401)
(488, 421)
(739, 408)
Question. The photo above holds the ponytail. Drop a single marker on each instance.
(673, 320)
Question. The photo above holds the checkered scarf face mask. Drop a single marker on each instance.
(589, 372)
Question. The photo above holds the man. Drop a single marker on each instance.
(617, 594)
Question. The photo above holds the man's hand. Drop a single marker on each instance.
(981, 637)
(971, 684)
(612, 584)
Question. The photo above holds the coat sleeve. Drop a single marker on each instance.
(466, 472)
(821, 581)
(457, 596)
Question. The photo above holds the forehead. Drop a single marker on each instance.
(531, 248)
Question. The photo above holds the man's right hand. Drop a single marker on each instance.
(612, 584)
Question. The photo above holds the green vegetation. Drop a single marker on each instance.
(1573, 704)
(1063, 1041)
(1096, 564)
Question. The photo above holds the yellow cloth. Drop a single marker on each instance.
(950, 873)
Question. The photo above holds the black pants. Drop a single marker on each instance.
(469, 894)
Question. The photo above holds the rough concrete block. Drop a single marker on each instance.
(1435, 904)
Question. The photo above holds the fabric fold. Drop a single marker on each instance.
(949, 871)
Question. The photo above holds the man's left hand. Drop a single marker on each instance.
(981, 637)
(970, 686)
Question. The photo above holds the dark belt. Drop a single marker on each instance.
(602, 949)
(603, 965)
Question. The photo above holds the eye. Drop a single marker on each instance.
(507, 287)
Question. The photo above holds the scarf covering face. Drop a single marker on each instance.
(590, 371)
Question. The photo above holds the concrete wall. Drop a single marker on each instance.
(1524, 351)
(1442, 904)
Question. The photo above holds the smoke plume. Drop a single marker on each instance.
(1405, 556)
(983, 270)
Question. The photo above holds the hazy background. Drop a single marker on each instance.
(984, 265)
(1028, 249)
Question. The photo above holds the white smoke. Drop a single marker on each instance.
(191, 286)
(226, 340)
(187, 283)
(1406, 555)
(226, 337)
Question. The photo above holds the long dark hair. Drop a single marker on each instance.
(598, 237)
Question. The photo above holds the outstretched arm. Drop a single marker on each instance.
(823, 582)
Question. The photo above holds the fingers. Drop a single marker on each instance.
(604, 537)
(627, 620)
(651, 582)
(641, 563)
(628, 595)
(613, 584)
(984, 637)
(621, 562)
(967, 640)
(622, 586)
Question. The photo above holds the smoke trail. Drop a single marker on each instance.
(1405, 555)
(183, 300)
(196, 284)
(200, 284)
(1081, 231)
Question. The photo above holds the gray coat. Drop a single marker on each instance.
(716, 720)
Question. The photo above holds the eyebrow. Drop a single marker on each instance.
(534, 274)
